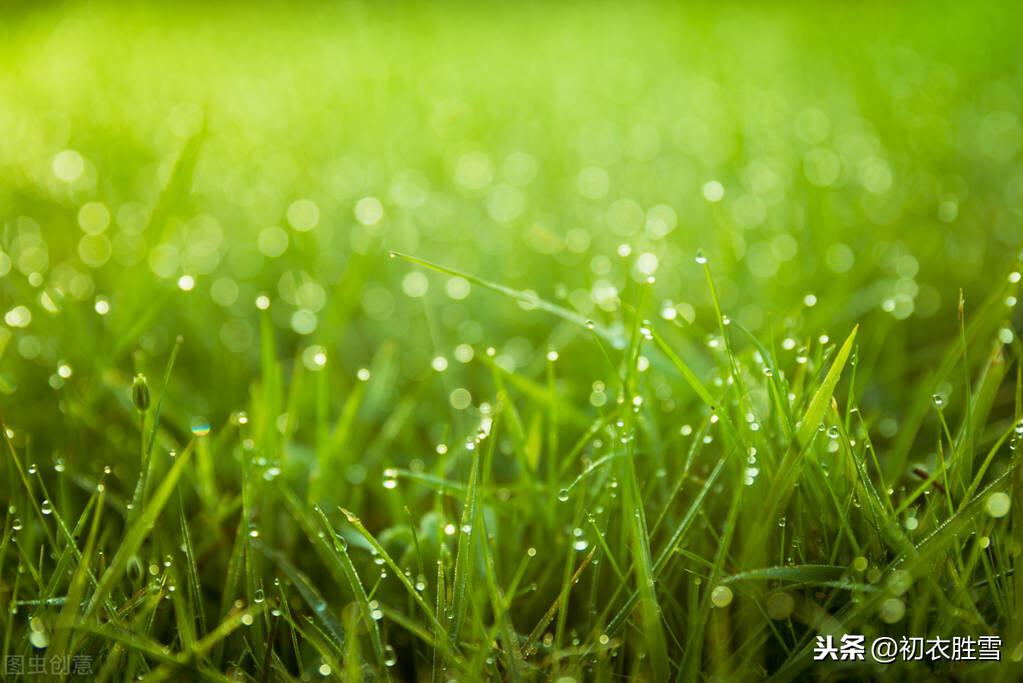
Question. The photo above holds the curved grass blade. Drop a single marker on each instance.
(802, 573)
(308, 591)
(138, 530)
(527, 298)
(355, 582)
(440, 631)
(465, 556)
(822, 397)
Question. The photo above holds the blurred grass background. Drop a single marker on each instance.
(867, 152)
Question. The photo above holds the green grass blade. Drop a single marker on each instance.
(818, 405)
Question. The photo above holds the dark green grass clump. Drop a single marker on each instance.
(637, 547)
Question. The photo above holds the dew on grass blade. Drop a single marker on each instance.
(200, 426)
(140, 393)
(998, 504)
(38, 636)
(900, 581)
(892, 610)
(721, 596)
(780, 605)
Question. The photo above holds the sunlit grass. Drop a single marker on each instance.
(567, 342)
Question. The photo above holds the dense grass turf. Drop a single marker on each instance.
(550, 341)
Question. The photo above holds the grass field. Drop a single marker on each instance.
(536, 342)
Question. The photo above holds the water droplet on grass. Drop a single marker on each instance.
(900, 581)
(200, 426)
(998, 504)
(721, 596)
(38, 637)
(892, 610)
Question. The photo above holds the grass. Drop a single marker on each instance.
(653, 351)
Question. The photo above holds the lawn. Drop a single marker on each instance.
(550, 341)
